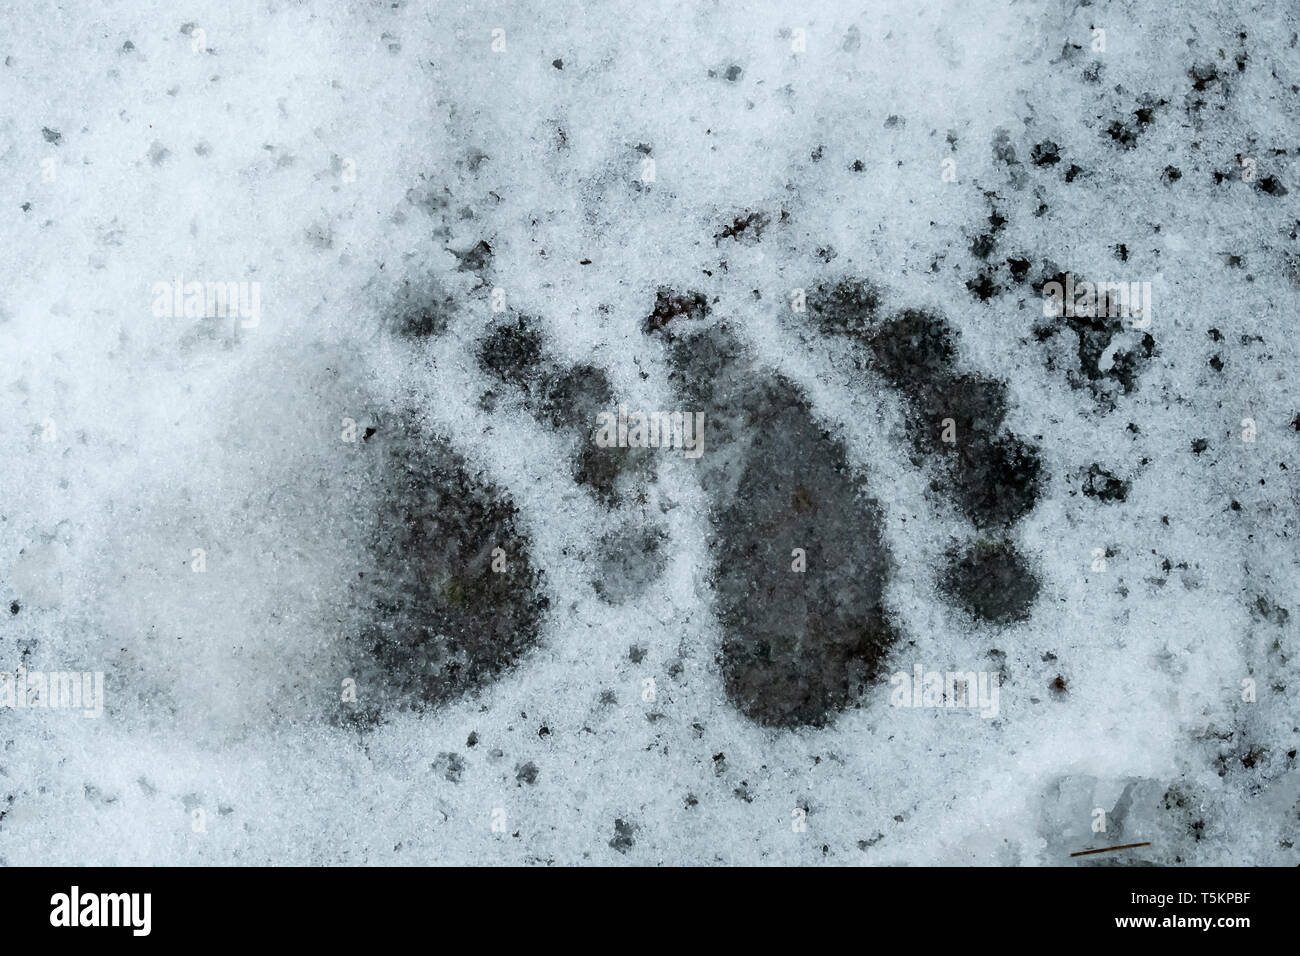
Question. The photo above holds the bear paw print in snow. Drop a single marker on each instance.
(799, 563)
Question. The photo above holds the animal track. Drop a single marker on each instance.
(799, 564)
(797, 646)
(567, 399)
(992, 476)
(455, 599)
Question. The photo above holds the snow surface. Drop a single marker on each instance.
(218, 141)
